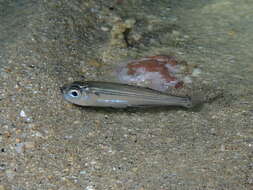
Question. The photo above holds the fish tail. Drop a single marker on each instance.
(193, 101)
(187, 102)
(179, 101)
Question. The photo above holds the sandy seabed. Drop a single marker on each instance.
(47, 143)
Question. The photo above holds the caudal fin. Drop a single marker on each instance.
(194, 101)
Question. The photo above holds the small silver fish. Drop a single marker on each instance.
(116, 95)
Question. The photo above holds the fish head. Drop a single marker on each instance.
(76, 93)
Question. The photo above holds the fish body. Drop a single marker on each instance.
(117, 95)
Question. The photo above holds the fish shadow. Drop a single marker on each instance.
(139, 109)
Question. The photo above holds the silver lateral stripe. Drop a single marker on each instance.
(112, 101)
(124, 93)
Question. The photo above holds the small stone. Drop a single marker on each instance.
(105, 29)
(160, 72)
(10, 174)
(50, 177)
(89, 188)
(21, 147)
(196, 72)
(94, 63)
(175, 33)
(136, 37)
(5, 126)
(118, 32)
(37, 134)
(29, 145)
(130, 23)
(22, 113)
(7, 134)
(222, 148)
(187, 80)
(68, 137)
(82, 172)
(2, 187)
(4, 74)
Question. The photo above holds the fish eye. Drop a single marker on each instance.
(74, 93)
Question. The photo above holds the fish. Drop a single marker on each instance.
(119, 95)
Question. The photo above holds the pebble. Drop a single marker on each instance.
(89, 188)
(130, 23)
(2, 187)
(160, 72)
(83, 172)
(94, 63)
(21, 147)
(222, 148)
(187, 79)
(22, 113)
(10, 174)
(4, 74)
(196, 72)
(105, 29)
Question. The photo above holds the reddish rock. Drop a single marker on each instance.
(158, 72)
